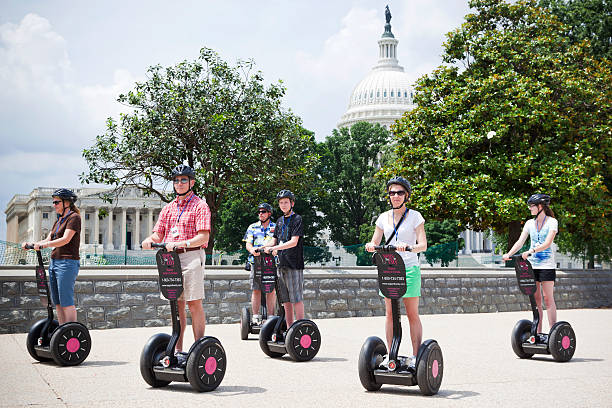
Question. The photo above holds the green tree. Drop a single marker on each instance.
(518, 109)
(221, 120)
(349, 159)
(586, 20)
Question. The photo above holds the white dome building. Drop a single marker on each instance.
(386, 93)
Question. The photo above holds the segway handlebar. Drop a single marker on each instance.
(29, 246)
(385, 248)
(261, 250)
(158, 244)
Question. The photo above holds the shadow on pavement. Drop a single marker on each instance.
(573, 360)
(443, 393)
(221, 391)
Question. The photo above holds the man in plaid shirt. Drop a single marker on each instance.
(184, 224)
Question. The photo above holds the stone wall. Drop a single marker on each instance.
(128, 296)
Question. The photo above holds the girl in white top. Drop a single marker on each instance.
(409, 238)
(541, 230)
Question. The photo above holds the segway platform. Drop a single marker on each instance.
(429, 361)
(560, 342)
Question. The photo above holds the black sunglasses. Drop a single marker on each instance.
(56, 202)
(182, 181)
(399, 193)
(263, 211)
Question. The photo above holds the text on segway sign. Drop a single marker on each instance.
(391, 275)
(268, 273)
(525, 277)
(170, 277)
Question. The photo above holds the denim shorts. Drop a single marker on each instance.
(62, 275)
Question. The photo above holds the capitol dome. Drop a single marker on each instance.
(386, 92)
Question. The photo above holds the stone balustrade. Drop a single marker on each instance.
(127, 296)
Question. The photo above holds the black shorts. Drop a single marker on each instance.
(545, 275)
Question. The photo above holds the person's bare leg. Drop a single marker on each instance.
(183, 321)
(538, 299)
(198, 318)
(414, 321)
(548, 288)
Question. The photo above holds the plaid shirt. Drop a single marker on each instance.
(257, 235)
(195, 217)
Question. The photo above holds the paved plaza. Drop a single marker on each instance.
(480, 369)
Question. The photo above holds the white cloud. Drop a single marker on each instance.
(46, 110)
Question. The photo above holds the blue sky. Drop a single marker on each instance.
(63, 64)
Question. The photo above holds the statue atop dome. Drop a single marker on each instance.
(388, 32)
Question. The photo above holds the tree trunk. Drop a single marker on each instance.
(514, 232)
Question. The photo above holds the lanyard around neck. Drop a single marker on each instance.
(184, 208)
(285, 227)
(541, 226)
(59, 223)
(396, 227)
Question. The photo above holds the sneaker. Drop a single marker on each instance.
(257, 319)
(385, 362)
(543, 338)
(412, 362)
(181, 357)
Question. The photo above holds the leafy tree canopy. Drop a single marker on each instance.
(222, 120)
(518, 109)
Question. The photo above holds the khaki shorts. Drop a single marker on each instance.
(192, 264)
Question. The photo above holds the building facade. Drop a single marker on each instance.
(120, 225)
(383, 96)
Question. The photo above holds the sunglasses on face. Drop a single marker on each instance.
(400, 193)
(262, 212)
(181, 181)
(55, 202)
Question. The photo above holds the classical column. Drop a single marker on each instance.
(96, 231)
(37, 223)
(109, 230)
(83, 225)
(136, 234)
(149, 221)
(123, 227)
(468, 241)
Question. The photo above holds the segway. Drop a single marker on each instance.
(429, 363)
(302, 341)
(67, 344)
(526, 341)
(205, 363)
(264, 272)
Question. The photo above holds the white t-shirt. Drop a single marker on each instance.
(406, 232)
(543, 259)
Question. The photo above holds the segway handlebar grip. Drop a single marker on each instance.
(385, 248)
(260, 250)
(158, 244)
(29, 246)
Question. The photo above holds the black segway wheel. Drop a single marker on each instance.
(151, 354)
(265, 335)
(35, 334)
(70, 344)
(520, 334)
(430, 367)
(562, 342)
(371, 355)
(206, 365)
(303, 340)
(245, 323)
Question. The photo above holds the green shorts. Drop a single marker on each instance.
(413, 282)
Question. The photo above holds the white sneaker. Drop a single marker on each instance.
(385, 362)
(257, 319)
(412, 362)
